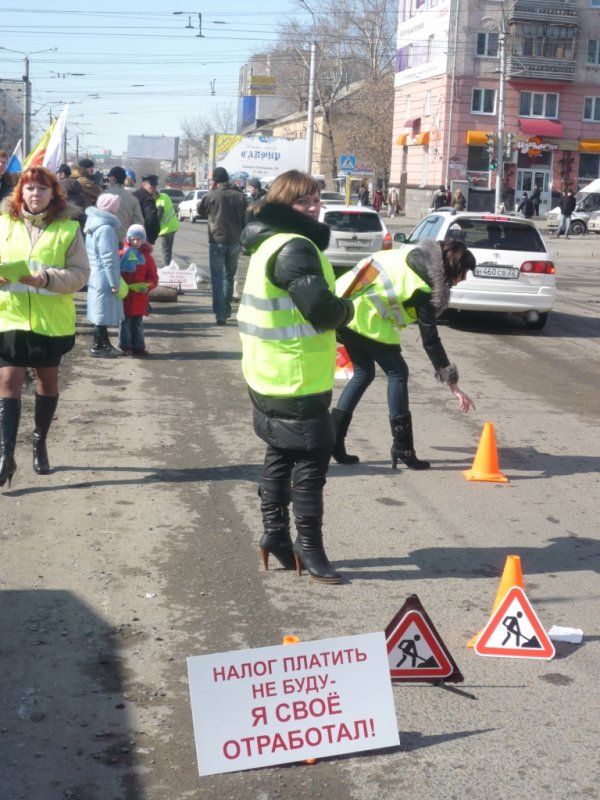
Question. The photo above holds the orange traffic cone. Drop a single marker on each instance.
(290, 639)
(512, 575)
(485, 466)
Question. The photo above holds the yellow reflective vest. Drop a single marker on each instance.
(383, 308)
(22, 307)
(168, 218)
(283, 354)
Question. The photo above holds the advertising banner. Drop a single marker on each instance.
(274, 705)
(422, 44)
(258, 156)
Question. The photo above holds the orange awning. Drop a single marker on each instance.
(589, 146)
(477, 138)
(402, 140)
(422, 138)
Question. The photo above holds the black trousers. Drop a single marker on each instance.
(305, 470)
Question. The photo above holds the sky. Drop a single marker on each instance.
(143, 70)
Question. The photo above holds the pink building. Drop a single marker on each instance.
(447, 90)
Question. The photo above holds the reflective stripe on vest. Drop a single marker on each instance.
(383, 308)
(25, 307)
(283, 354)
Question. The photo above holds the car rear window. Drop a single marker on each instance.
(496, 235)
(353, 221)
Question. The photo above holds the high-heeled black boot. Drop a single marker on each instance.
(45, 407)
(308, 547)
(276, 540)
(403, 448)
(10, 414)
(341, 423)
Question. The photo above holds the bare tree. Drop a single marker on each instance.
(221, 119)
(355, 42)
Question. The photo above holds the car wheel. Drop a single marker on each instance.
(539, 323)
(577, 228)
(180, 216)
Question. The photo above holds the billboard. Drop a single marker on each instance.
(160, 148)
(257, 156)
(422, 44)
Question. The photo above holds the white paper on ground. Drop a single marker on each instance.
(559, 634)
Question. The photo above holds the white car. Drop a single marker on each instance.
(514, 271)
(356, 231)
(333, 199)
(188, 208)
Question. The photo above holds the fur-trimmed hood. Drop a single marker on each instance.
(427, 260)
(266, 219)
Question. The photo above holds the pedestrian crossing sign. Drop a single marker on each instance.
(514, 630)
(416, 651)
(347, 163)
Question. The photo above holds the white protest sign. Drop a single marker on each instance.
(171, 275)
(273, 705)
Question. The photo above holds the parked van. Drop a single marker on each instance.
(588, 201)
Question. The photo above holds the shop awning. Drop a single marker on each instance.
(550, 128)
(589, 146)
(402, 140)
(412, 123)
(422, 138)
(478, 138)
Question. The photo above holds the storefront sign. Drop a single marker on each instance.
(534, 147)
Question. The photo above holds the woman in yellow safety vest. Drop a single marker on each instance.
(42, 262)
(287, 318)
(405, 288)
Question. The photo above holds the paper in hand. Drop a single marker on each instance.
(13, 270)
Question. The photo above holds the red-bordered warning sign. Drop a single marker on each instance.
(514, 630)
(416, 651)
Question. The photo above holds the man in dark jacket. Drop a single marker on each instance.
(439, 198)
(225, 209)
(567, 207)
(83, 173)
(146, 196)
(526, 206)
(6, 182)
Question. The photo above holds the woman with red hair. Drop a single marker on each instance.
(42, 262)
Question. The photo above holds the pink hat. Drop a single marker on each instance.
(109, 202)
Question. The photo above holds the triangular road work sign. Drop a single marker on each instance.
(416, 651)
(514, 630)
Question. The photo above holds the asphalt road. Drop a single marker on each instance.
(141, 549)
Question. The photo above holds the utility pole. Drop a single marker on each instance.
(27, 109)
(311, 108)
(448, 132)
(500, 143)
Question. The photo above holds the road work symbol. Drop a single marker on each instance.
(514, 630)
(416, 651)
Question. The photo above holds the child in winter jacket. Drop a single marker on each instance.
(138, 270)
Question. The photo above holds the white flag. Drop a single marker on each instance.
(55, 149)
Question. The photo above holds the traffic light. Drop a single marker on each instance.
(493, 165)
(508, 147)
(490, 145)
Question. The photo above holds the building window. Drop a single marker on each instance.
(483, 101)
(487, 44)
(544, 41)
(593, 51)
(595, 3)
(430, 46)
(591, 109)
(538, 104)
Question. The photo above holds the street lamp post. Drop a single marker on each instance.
(27, 96)
(310, 123)
(500, 142)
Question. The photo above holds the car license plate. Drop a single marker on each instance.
(348, 244)
(495, 271)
